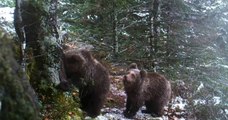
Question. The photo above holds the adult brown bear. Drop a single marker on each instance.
(141, 87)
(90, 76)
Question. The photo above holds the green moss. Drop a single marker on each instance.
(16, 102)
(63, 107)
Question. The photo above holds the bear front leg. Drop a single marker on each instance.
(131, 109)
(91, 102)
(64, 83)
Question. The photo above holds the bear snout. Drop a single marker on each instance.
(124, 78)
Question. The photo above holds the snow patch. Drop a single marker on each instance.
(199, 101)
(216, 100)
(179, 103)
(200, 87)
(226, 111)
(6, 14)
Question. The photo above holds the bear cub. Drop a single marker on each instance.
(145, 88)
(82, 70)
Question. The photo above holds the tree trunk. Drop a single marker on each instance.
(155, 24)
(19, 27)
(115, 35)
(30, 22)
(153, 32)
(150, 39)
(36, 24)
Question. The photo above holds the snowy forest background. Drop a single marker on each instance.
(186, 40)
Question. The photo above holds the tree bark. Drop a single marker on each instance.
(154, 33)
(115, 35)
(36, 24)
(155, 24)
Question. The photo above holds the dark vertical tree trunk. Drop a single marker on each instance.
(53, 18)
(31, 14)
(20, 30)
(36, 25)
(150, 39)
(155, 24)
(19, 27)
(115, 35)
(155, 38)
(153, 34)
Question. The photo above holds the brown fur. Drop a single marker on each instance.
(89, 76)
(151, 89)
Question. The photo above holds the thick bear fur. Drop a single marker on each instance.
(89, 75)
(151, 89)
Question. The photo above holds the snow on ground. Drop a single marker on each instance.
(6, 19)
(6, 14)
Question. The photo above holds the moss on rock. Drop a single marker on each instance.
(16, 103)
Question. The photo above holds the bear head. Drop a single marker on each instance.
(77, 62)
(134, 78)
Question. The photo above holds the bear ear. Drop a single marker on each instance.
(75, 59)
(133, 66)
(86, 54)
(143, 74)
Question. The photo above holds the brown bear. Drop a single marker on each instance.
(141, 87)
(89, 75)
